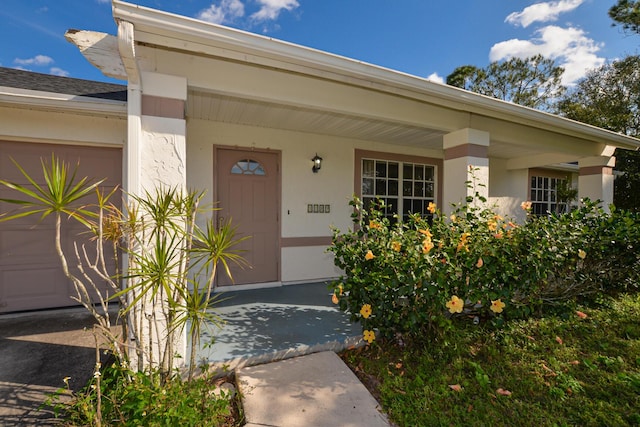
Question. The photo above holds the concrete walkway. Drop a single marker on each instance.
(315, 390)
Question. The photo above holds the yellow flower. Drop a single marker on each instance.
(369, 255)
(455, 305)
(427, 245)
(66, 380)
(334, 299)
(426, 232)
(369, 336)
(526, 205)
(375, 225)
(432, 207)
(582, 254)
(462, 244)
(396, 246)
(341, 289)
(497, 306)
(453, 218)
(492, 225)
(480, 263)
(365, 311)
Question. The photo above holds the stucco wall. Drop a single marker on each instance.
(332, 185)
(508, 189)
(18, 124)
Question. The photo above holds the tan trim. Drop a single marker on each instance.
(293, 242)
(162, 107)
(381, 155)
(596, 170)
(466, 150)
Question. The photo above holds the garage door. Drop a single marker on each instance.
(30, 273)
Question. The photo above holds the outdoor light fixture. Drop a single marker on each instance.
(317, 163)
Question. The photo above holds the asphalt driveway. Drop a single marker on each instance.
(37, 351)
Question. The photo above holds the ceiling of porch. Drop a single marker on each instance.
(234, 110)
(227, 109)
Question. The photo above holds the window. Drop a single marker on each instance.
(247, 167)
(404, 187)
(544, 195)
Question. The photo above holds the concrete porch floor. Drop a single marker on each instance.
(264, 325)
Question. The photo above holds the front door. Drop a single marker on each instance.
(247, 184)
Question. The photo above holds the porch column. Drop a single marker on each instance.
(465, 159)
(596, 179)
(163, 132)
(156, 157)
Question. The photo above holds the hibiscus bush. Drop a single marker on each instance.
(414, 278)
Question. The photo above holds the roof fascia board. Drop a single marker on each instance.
(291, 56)
(49, 100)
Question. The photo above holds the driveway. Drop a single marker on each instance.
(37, 351)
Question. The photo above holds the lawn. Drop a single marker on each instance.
(576, 368)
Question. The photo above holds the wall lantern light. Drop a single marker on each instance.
(317, 163)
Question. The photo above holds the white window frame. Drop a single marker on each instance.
(543, 194)
(396, 203)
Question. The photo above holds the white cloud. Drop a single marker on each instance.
(58, 72)
(570, 47)
(542, 12)
(226, 11)
(38, 60)
(436, 78)
(270, 9)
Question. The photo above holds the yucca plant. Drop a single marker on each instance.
(172, 262)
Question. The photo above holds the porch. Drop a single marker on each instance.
(264, 325)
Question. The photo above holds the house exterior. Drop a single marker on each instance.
(241, 116)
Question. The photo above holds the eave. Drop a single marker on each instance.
(174, 31)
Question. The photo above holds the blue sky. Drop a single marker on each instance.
(426, 38)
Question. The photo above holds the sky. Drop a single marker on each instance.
(425, 38)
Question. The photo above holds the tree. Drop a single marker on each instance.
(626, 13)
(533, 82)
(609, 97)
(172, 262)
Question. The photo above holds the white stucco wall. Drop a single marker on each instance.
(162, 153)
(332, 185)
(17, 124)
(508, 189)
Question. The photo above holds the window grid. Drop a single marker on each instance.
(247, 167)
(404, 187)
(544, 195)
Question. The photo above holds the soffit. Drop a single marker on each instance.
(209, 106)
(233, 110)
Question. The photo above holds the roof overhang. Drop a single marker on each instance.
(153, 29)
(50, 101)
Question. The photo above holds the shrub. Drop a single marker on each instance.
(129, 398)
(414, 278)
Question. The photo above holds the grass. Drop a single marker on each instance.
(561, 370)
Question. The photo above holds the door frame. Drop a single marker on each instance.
(278, 195)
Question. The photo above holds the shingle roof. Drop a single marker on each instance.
(29, 80)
